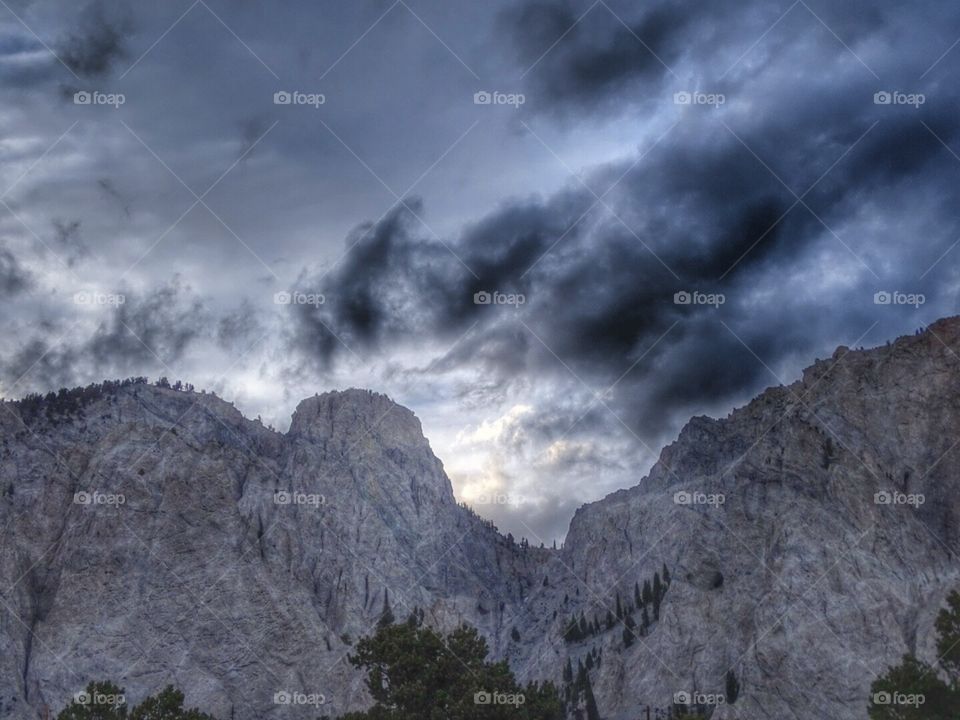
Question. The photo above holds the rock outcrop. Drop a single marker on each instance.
(155, 536)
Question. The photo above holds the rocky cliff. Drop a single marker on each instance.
(150, 536)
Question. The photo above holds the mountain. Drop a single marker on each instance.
(150, 536)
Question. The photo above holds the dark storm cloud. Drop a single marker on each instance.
(139, 334)
(153, 329)
(598, 55)
(98, 42)
(732, 201)
(69, 242)
(798, 199)
(14, 278)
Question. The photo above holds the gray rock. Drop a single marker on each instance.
(156, 536)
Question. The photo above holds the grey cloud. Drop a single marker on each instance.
(14, 278)
(98, 43)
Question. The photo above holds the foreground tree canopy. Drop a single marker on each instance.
(415, 673)
(914, 690)
(106, 701)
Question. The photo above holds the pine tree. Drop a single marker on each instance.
(593, 713)
(666, 575)
(657, 595)
(948, 629)
(637, 598)
(386, 617)
(732, 687)
(647, 593)
(915, 677)
(628, 636)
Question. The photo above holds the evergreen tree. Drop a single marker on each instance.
(100, 701)
(628, 636)
(657, 595)
(106, 701)
(948, 628)
(666, 575)
(732, 687)
(637, 598)
(593, 713)
(912, 678)
(647, 593)
(386, 616)
(894, 695)
(166, 705)
(415, 673)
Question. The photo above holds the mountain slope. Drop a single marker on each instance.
(153, 536)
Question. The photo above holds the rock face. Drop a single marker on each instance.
(152, 536)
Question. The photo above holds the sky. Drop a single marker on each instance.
(555, 230)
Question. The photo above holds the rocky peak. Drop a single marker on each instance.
(347, 416)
